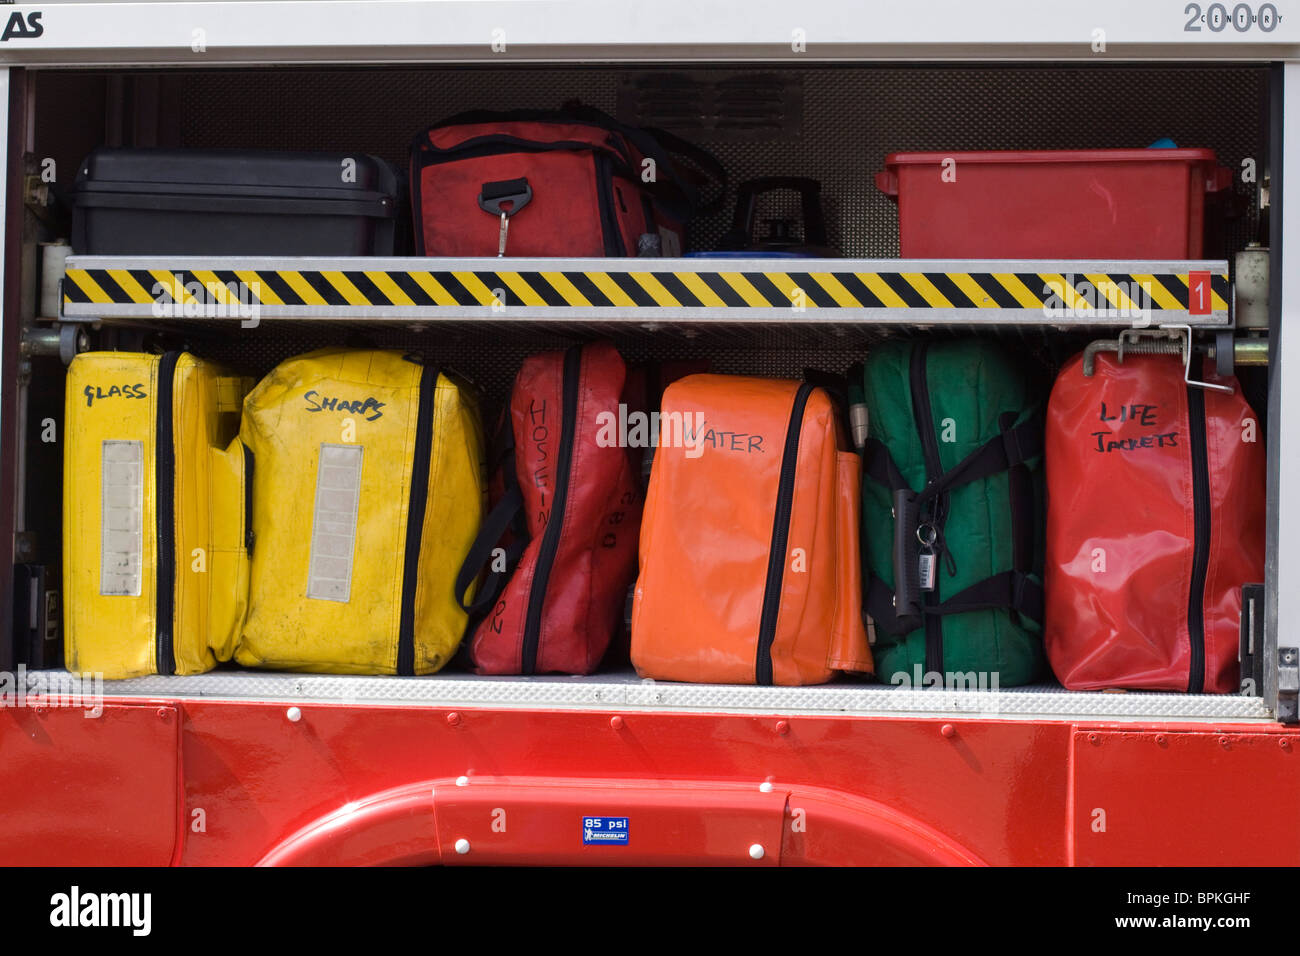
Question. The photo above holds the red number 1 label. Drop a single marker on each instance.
(1198, 293)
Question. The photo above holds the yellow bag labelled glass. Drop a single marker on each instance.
(368, 488)
(155, 567)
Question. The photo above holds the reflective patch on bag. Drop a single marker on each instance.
(121, 517)
(334, 522)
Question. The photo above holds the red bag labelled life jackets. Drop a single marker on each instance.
(570, 183)
(1155, 520)
(566, 524)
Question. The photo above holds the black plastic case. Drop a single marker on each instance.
(235, 203)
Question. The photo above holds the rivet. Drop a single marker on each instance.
(294, 714)
(453, 719)
(462, 781)
(1093, 738)
(616, 722)
(948, 730)
(163, 713)
(782, 727)
(1284, 744)
(1223, 741)
(1160, 739)
(462, 846)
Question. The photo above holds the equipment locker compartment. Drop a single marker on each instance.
(833, 122)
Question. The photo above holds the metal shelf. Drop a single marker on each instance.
(915, 292)
(625, 691)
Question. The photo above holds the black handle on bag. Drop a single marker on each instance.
(907, 555)
(493, 196)
(508, 515)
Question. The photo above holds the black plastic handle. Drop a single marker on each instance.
(493, 196)
(810, 192)
(907, 555)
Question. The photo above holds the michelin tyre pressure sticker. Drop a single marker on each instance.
(604, 831)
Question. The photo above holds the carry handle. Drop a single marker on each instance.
(907, 578)
(505, 197)
(849, 649)
(480, 554)
(810, 204)
(507, 515)
(659, 144)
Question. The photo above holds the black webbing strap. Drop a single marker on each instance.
(1014, 590)
(1008, 451)
(1010, 589)
(1010, 447)
(878, 602)
(494, 527)
(508, 515)
(1020, 492)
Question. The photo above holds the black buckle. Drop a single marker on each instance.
(514, 192)
(1011, 447)
(1018, 581)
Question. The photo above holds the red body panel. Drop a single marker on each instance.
(1120, 526)
(354, 784)
(85, 790)
(1222, 798)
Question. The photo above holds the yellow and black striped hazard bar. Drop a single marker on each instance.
(1194, 292)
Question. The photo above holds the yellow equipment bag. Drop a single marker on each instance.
(368, 488)
(155, 569)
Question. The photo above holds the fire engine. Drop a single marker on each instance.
(243, 766)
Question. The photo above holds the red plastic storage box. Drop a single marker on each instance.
(1053, 204)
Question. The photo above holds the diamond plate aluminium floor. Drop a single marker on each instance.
(625, 692)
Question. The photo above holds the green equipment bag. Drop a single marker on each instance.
(952, 511)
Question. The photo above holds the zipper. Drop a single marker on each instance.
(1201, 534)
(605, 200)
(921, 410)
(165, 510)
(551, 536)
(780, 538)
(415, 520)
(248, 498)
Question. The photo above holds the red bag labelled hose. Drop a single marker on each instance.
(1155, 520)
(566, 524)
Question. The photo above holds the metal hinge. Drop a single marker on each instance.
(1288, 684)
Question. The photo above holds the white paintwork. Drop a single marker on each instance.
(1286, 441)
(281, 31)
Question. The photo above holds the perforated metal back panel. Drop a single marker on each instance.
(849, 119)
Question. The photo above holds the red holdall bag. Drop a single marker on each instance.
(569, 183)
(566, 523)
(1155, 520)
